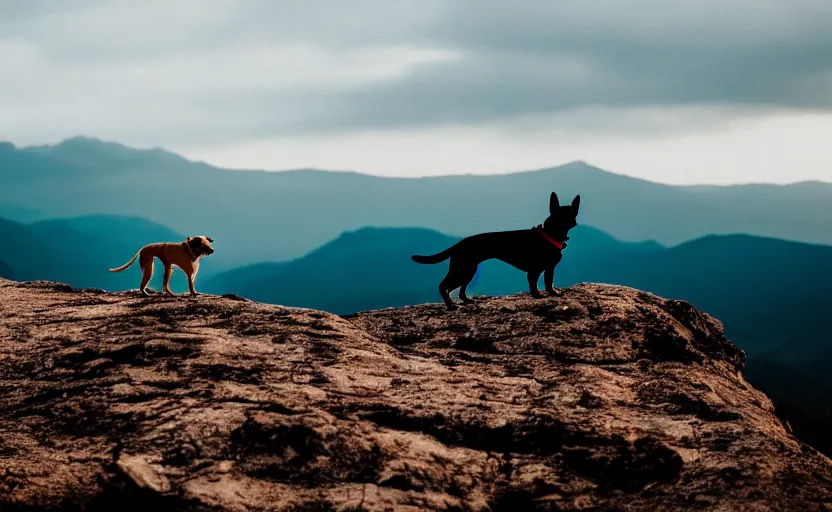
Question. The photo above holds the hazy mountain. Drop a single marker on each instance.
(262, 216)
(365, 269)
(133, 231)
(6, 271)
(246, 276)
(19, 213)
(79, 251)
(801, 395)
(97, 155)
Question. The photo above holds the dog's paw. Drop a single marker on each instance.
(536, 295)
(554, 293)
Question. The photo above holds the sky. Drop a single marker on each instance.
(705, 91)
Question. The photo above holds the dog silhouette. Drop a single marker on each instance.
(534, 251)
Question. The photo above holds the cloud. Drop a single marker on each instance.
(556, 56)
(198, 72)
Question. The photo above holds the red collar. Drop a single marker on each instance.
(551, 240)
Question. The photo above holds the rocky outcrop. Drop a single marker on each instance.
(604, 398)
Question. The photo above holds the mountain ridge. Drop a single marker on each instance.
(294, 212)
(578, 164)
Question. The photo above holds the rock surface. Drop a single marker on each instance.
(603, 398)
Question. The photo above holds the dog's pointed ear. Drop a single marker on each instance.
(554, 204)
(210, 240)
(576, 203)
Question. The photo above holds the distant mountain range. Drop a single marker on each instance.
(366, 269)
(6, 271)
(263, 216)
(801, 392)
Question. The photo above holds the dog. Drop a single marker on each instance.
(185, 255)
(534, 251)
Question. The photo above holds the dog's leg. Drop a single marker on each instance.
(166, 284)
(191, 277)
(462, 289)
(444, 290)
(533, 277)
(147, 274)
(549, 281)
(463, 297)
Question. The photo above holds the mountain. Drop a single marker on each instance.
(245, 276)
(115, 402)
(268, 216)
(133, 231)
(801, 392)
(19, 213)
(79, 251)
(6, 271)
(364, 269)
(103, 156)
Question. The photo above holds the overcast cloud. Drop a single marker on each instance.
(203, 75)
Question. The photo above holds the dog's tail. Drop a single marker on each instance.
(434, 258)
(124, 267)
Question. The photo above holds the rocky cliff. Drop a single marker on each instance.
(604, 398)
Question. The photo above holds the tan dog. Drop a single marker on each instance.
(184, 255)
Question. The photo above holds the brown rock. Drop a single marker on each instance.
(143, 473)
(604, 398)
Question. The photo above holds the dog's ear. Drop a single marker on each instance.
(210, 240)
(576, 203)
(554, 204)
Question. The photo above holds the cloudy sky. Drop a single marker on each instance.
(705, 91)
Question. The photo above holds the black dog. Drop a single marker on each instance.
(534, 251)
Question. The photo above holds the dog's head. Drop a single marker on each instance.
(561, 218)
(200, 245)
